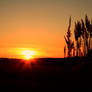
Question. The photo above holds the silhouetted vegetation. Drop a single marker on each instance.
(82, 35)
(77, 34)
(69, 42)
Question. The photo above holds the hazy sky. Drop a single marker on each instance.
(38, 24)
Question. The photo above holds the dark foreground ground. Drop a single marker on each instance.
(70, 73)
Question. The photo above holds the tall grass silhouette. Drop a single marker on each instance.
(82, 35)
(69, 42)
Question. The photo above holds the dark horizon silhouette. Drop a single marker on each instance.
(65, 73)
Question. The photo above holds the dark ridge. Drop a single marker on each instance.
(61, 73)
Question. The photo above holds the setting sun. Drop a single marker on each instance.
(28, 57)
(28, 54)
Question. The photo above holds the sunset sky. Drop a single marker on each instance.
(38, 25)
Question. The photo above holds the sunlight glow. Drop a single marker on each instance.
(28, 57)
(28, 54)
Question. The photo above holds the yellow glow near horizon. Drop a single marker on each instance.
(28, 54)
(22, 53)
(28, 57)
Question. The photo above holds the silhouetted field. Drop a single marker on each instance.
(67, 73)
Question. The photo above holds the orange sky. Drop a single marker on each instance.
(38, 25)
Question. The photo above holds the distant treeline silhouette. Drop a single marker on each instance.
(82, 34)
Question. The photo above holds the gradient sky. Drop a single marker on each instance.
(39, 25)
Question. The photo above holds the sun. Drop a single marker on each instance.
(28, 57)
(28, 54)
